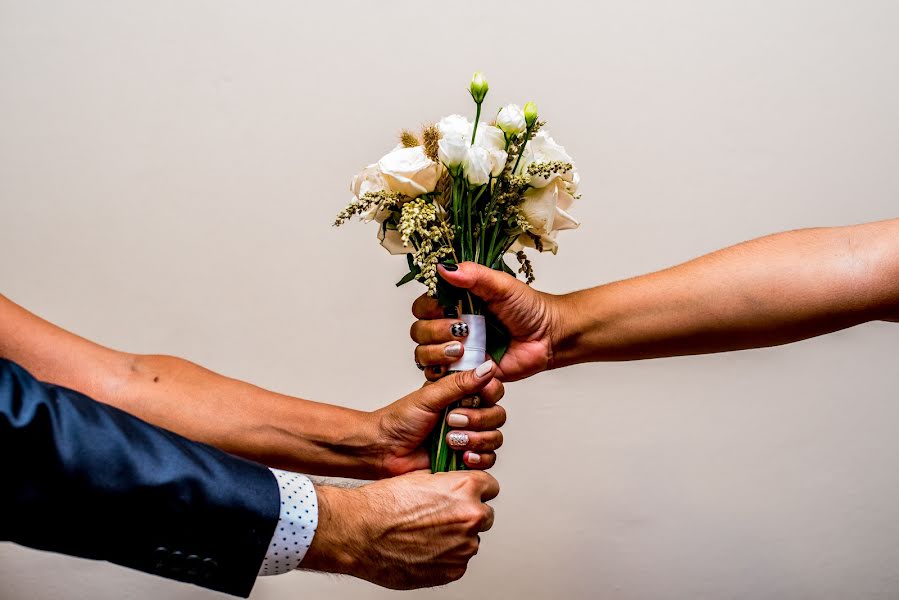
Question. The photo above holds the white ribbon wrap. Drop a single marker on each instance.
(475, 344)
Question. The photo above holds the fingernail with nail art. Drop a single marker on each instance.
(457, 438)
(453, 350)
(459, 329)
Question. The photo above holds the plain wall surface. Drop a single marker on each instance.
(169, 172)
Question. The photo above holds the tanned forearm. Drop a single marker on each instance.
(774, 290)
(274, 429)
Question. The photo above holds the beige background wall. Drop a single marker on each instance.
(169, 171)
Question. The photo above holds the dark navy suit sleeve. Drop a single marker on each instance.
(88, 480)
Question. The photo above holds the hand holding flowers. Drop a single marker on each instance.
(465, 190)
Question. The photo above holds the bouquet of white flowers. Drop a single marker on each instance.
(468, 191)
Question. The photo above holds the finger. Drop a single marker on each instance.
(485, 283)
(439, 354)
(477, 419)
(438, 331)
(456, 386)
(488, 519)
(479, 460)
(486, 484)
(426, 307)
(476, 441)
(435, 373)
(492, 393)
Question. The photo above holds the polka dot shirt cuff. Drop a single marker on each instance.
(296, 523)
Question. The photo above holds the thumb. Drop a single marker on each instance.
(485, 283)
(453, 387)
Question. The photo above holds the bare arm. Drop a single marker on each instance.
(181, 396)
(240, 418)
(773, 290)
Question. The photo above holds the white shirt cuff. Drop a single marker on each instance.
(296, 526)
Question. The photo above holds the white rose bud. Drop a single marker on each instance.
(408, 171)
(478, 87)
(511, 119)
(477, 166)
(530, 114)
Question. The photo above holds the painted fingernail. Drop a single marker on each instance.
(473, 458)
(456, 420)
(457, 438)
(453, 350)
(484, 368)
(437, 370)
(459, 329)
(470, 402)
(450, 266)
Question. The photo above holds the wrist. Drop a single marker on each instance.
(333, 548)
(322, 439)
(569, 327)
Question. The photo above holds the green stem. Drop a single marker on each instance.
(504, 250)
(527, 135)
(477, 118)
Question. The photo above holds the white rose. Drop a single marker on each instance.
(477, 166)
(494, 142)
(455, 126)
(455, 138)
(369, 180)
(408, 171)
(452, 150)
(547, 242)
(542, 207)
(511, 119)
(545, 149)
(393, 241)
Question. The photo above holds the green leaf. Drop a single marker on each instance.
(447, 295)
(497, 338)
(506, 268)
(408, 277)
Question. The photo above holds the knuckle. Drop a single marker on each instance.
(418, 306)
(461, 383)
(472, 546)
(457, 573)
(486, 516)
(471, 516)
